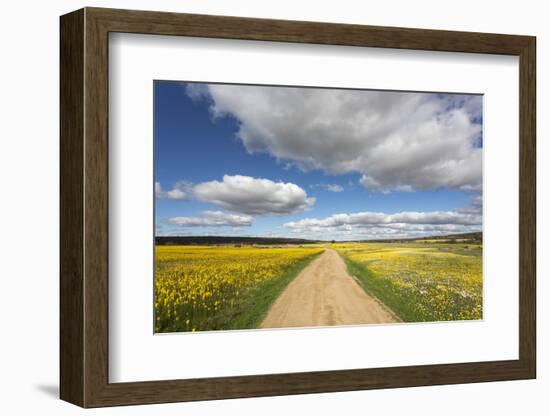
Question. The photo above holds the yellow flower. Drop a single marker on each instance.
(199, 283)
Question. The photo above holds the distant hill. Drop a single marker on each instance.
(478, 236)
(472, 238)
(221, 240)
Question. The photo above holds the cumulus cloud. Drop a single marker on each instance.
(244, 194)
(253, 196)
(398, 225)
(213, 219)
(180, 191)
(395, 140)
(379, 218)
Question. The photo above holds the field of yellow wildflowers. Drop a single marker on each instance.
(200, 288)
(420, 281)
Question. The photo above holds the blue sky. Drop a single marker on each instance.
(261, 161)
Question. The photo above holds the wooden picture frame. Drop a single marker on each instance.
(84, 207)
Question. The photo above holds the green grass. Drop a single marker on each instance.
(383, 290)
(420, 291)
(250, 310)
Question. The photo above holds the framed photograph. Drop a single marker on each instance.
(255, 207)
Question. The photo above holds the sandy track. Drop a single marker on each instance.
(325, 294)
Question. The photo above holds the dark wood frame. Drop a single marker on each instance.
(84, 207)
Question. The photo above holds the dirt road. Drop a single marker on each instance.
(325, 294)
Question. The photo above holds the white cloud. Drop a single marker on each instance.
(334, 188)
(475, 207)
(361, 219)
(213, 219)
(178, 192)
(328, 187)
(395, 140)
(243, 194)
(365, 225)
(253, 196)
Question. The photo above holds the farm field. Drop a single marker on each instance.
(420, 281)
(225, 287)
(200, 288)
